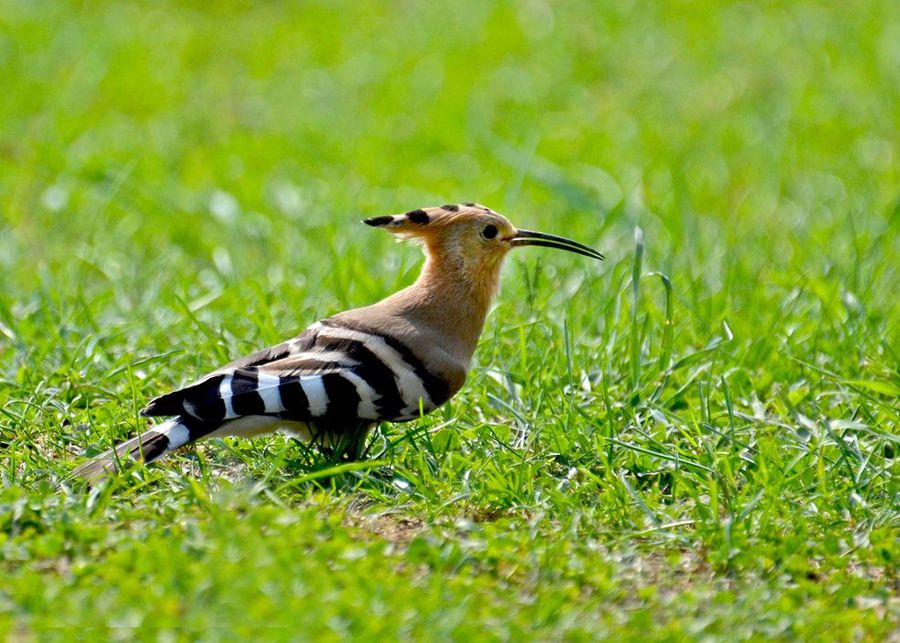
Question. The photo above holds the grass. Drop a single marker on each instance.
(696, 439)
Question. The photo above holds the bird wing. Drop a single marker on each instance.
(330, 372)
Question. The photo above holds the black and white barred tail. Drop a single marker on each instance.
(147, 447)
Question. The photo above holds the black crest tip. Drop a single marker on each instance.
(378, 221)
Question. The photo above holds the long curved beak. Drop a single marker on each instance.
(531, 238)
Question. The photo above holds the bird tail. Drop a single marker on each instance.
(147, 447)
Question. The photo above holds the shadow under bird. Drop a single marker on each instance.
(389, 362)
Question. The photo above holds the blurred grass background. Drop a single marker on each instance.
(181, 183)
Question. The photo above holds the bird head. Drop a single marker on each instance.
(470, 238)
(464, 248)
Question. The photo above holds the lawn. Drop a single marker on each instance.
(697, 438)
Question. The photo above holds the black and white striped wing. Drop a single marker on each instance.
(329, 373)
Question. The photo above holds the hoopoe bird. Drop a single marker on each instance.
(389, 362)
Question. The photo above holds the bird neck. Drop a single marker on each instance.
(453, 300)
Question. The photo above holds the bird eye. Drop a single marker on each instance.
(489, 232)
